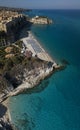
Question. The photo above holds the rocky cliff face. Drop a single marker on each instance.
(5, 125)
(14, 27)
(29, 67)
(4, 121)
(27, 70)
(12, 30)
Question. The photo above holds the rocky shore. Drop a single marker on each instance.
(28, 83)
(35, 65)
(41, 20)
(5, 119)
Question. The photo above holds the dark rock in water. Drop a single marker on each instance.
(38, 88)
(25, 122)
(65, 62)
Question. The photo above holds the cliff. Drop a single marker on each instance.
(20, 69)
(10, 25)
(5, 124)
(17, 67)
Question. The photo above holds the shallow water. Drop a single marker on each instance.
(55, 104)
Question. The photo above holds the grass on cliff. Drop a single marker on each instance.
(12, 67)
(6, 64)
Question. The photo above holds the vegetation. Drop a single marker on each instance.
(19, 43)
(3, 84)
(12, 68)
(7, 63)
(3, 38)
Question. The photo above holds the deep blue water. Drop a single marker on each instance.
(55, 105)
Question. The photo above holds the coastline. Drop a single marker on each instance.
(7, 115)
(25, 85)
(5, 119)
(57, 105)
(43, 55)
(28, 84)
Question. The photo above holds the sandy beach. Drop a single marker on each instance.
(32, 44)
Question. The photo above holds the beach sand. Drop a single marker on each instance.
(32, 44)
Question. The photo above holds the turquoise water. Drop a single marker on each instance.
(55, 104)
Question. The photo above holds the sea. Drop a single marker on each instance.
(55, 103)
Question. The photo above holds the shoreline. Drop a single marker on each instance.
(5, 120)
(43, 54)
(6, 103)
(42, 46)
(44, 73)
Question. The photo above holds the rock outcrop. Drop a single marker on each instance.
(41, 20)
(5, 124)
